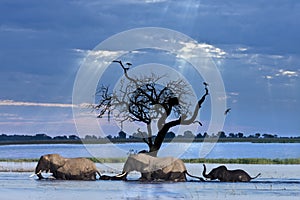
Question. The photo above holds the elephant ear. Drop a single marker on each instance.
(222, 174)
(56, 160)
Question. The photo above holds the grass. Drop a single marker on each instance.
(108, 160)
(19, 160)
(287, 161)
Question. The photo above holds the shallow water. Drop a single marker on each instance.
(276, 182)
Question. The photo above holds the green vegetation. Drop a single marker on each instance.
(287, 161)
(19, 160)
(108, 160)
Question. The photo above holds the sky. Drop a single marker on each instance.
(255, 46)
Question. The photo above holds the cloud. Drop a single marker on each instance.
(7, 115)
(188, 49)
(287, 73)
(230, 96)
(38, 66)
(280, 73)
(21, 103)
(143, 1)
(10, 116)
(154, 1)
(98, 54)
(7, 28)
(268, 77)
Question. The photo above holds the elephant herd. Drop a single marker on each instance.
(151, 169)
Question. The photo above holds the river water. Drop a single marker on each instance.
(182, 150)
(275, 182)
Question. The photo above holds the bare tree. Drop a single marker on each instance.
(142, 99)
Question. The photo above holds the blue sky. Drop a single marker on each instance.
(43, 43)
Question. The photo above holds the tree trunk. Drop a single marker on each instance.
(154, 147)
(161, 136)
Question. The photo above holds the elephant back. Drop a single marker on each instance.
(78, 166)
(151, 163)
(173, 164)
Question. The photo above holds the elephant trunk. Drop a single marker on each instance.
(38, 172)
(204, 172)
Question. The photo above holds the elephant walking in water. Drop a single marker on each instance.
(66, 168)
(154, 169)
(225, 175)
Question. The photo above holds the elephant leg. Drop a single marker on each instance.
(177, 176)
(170, 176)
(159, 175)
(61, 175)
(90, 176)
(243, 178)
(146, 176)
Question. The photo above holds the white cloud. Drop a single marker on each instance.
(21, 103)
(242, 49)
(6, 28)
(268, 77)
(233, 93)
(287, 73)
(154, 1)
(100, 54)
(7, 115)
(190, 47)
(105, 53)
(232, 97)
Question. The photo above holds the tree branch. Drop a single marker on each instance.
(142, 99)
(165, 128)
(196, 111)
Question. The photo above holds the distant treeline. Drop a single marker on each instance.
(38, 138)
(187, 136)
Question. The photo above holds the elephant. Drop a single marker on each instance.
(225, 175)
(66, 168)
(155, 169)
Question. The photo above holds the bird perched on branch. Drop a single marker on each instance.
(227, 111)
(124, 68)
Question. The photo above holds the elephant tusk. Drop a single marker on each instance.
(121, 175)
(39, 172)
(32, 175)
